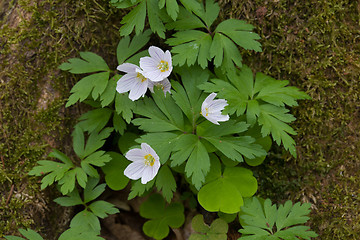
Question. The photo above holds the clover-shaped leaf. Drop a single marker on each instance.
(114, 170)
(226, 192)
(161, 217)
(216, 231)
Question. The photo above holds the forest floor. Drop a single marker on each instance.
(314, 44)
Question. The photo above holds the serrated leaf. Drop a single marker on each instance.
(257, 220)
(127, 48)
(95, 141)
(91, 63)
(209, 13)
(186, 21)
(134, 19)
(114, 171)
(92, 191)
(226, 193)
(102, 209)
(161, 217)
(240, 32)
(87, 221)
(138, 189)
(72, 199)
(98, 158)
(198, 165)
(95, 120)
(94, 84)
(165, 182)
(108, 96)
(119, 124)
(190, 46)
(124, 106)
(155, 22)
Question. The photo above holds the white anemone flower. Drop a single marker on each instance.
(211, 109)
(158, 66)
(145, 163)
(133, 81)
(165, 85)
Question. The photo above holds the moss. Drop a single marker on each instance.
(313, 44)
(39, 35)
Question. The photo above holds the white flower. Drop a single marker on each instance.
(158, 66)
(165, 85)
(145, 163)
(211, 109)
(133, 81)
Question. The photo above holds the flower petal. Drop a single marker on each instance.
(135, 170)
(138, 90)
(218, 105)
(135, 155)
(156, 53)
(127, 67)
(149, 150)
(148, 174)
(126, 82)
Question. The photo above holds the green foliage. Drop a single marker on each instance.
(161, 217)
(155, 10)
(216, 231)
(29, 234)
(165, 182)
(225, 191)
(77, 233)
(87, 220)
(263, 100)
(262, 220)
(94, 84)
(113, 170)
(190, 45)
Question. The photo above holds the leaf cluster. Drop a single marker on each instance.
(216, 231)
(262, 220)
(262, 100)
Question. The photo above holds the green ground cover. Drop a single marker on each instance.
(313, 44)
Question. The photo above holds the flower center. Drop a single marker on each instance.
(149, 160)
(206, 112)
(141, 77)
(163, 66)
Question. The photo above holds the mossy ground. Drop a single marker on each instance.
(314, 44)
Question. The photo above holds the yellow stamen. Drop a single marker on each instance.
(141, 77)
(163, 66)
(149, 160)
(207, 111)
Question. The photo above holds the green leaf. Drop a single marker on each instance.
(165, 182)
(67, 182)
(91, 63)
(153, 11)
(114, 171)
(87, 221)
(95, 141)
(186, 20)
(72, 199)
(77, 233)
(172, 8)
(30, 234)
(198, 165)
(216, 231)
(161, 142)
(94, 84)
(161, 217)
(210, 13)
(124, 106)
(263, 105)
(126, 141)
(134, 19)
(237, 147)
(98, 158)
(126, 49)
(81, 176)
(226, 193)
(119, 124)
(102, 209)
(190, 46)
(108, 96)
(241, 33)
(55, 171)
(95, 120)
(138, 189)
(92, 191)
(258, 218)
